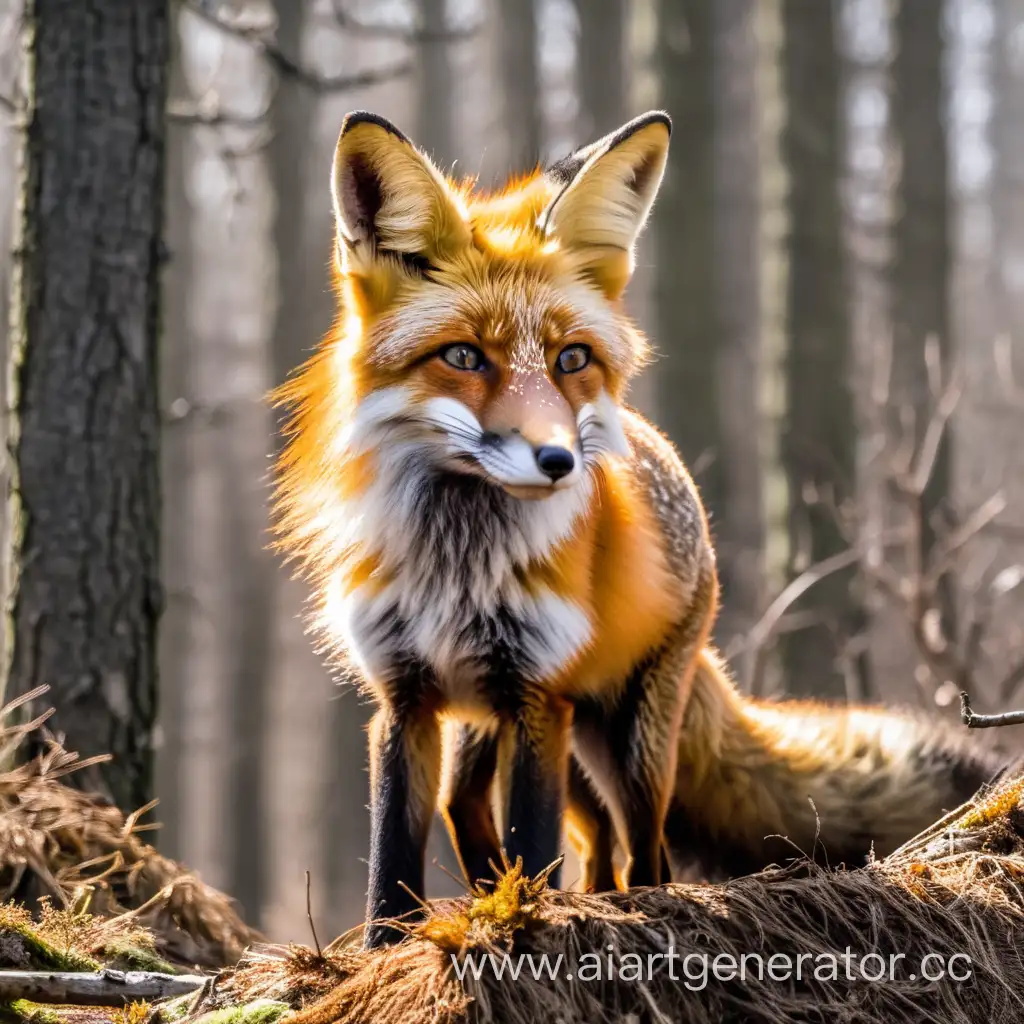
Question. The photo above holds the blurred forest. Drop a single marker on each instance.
(833, 279)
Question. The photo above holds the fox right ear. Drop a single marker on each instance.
(605, 194)
(389, 198)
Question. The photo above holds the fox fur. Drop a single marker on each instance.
(759, 782)
(498, 545)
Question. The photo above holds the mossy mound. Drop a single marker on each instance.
(73, 848)
(953, 891)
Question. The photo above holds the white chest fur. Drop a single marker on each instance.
(452, 551)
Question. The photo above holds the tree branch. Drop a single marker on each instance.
(350, 23)
(289, 68)
(973, 721)
(107, 988)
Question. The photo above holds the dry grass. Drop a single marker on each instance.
(955, 889)
(78, 851)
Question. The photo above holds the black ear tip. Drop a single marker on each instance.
(651, 117)
(365, 117)
(630, 128)
(662, 117)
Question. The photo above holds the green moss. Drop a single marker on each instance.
(126, 956)
(174, 1009)
(22, 1010)
(260, 1011)
(37, 954)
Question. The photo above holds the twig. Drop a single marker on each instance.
(453, 34)
(289, 68)
(105, 988)
(309, 914)
(973, 721)
(211, 115)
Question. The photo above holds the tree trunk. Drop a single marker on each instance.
(819, 442)
(436, 115)
(83, 589)
(686, 384)
(602, 66)
(922, 256)
(519, 76)
(740, 533)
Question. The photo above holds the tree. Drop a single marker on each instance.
(83, 585)
(519, 80)
(686, 380)
(921, 260)
(739, 531)
(819, 442)
(602, 66)
(436, 121)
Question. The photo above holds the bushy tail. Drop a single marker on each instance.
(760, 782)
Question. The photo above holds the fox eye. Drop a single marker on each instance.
(463, 356)
(573, 358)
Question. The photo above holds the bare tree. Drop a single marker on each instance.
(519, 76)
(819, 442)
(739, 530)
(83, 589)
(602, 66)
(436, 120)
(686, 383)
(921, 260)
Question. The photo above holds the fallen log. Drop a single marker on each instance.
(102, 988)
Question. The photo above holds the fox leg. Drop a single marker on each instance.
(536, 783)
(466, 802)
(405, 760)
(592, 831)
(629, 748)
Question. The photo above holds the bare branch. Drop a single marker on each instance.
(289, 68)
(382, 30)
(309, 916)
(211, 115)
(105, 988)
(973, 721)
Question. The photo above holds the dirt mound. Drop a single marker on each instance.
(77, 849)
(953, 892)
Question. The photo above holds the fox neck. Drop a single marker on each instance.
(450, 554)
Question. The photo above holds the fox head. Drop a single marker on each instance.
(479, 334)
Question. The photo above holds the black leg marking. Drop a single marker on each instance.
(404, 758)
(537, 788)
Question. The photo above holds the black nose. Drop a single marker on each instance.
(555, 462)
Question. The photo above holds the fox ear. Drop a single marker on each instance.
(608, 189)
(389, 198)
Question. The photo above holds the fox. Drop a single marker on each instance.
(501, 550)
(759, 782)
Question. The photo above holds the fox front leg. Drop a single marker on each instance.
(591, 831)
(466, 801)
(629, 748)
(405, 760)
(536, 783)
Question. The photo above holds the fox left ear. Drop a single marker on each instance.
(608, 190)
(389, 199)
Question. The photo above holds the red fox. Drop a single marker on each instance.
(758, 783)
(494, 538)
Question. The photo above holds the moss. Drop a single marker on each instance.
(260, 1011)
(178, 1008)
(23, 1010)
(128, 956)
(998, 804)
(23, 948)
(493, 915)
